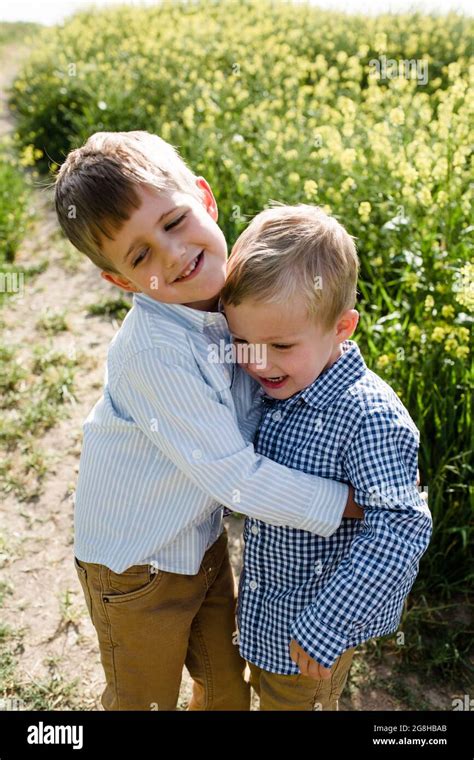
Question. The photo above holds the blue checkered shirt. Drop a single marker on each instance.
(330, 594)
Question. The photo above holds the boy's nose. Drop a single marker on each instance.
(174, 255)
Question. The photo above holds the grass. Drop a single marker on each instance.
(115, 308)
(15, 213)
(5, 590)
(50, 693)
(70, 615)
(53, 322)
(35, 396)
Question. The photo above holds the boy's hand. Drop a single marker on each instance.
(307, 666)
(352, 509)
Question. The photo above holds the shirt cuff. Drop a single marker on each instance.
(324, 645)
(325, 511)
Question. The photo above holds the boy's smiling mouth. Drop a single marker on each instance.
(191, 269)
(273, 382)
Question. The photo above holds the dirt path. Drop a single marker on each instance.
(57, 642)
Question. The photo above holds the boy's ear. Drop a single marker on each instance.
(347, 324)
(119, 281)
(208, 197)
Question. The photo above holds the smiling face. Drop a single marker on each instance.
(171, 249)
(296, 349)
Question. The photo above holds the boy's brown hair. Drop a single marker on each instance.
(289, 253)
(95, 188)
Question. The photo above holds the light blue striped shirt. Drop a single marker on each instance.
(168, 445)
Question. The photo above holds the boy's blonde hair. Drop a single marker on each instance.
(95, 189)
(289, 253)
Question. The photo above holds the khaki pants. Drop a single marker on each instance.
(298, 692)
(150, 624)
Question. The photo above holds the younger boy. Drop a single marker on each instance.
(162, 448)
(306, 601)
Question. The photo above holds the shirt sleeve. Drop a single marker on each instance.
(382, 562)
(183, 416)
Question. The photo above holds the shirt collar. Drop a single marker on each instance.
(189, 319)
(349, 368)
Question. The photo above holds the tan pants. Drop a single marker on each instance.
(150, 624)
(298, 692)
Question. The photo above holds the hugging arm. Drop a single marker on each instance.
(184, 418)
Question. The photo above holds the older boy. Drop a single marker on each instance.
(305, 601)
(162, 448)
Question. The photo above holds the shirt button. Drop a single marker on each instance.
(255, 530)
(276, 416)
(253, 585)
(197, 454)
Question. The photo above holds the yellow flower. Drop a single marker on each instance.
(348, 184)
(462, 352)
(396, 116)
(188, 117)
(463, 334)
(380, 42)
(412, 280)
(451, 345)
(414, 332)
(310, 188)
(447, 311)
(429, 303)
(465, 286)
(424, 196)
(165, 130)
(442, 198)
(347, 158)
(438, 334)
(294, 178)
(364, 211)
(383, 361)
(466, 204)
(29, 156)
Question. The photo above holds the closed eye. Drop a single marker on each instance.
(140, 257)
(170, 226)
(278, 346)
(175, 222)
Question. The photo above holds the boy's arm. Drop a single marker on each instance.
(383, 557)
(184, 418)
